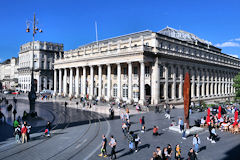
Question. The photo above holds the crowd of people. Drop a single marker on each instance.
(21, 131)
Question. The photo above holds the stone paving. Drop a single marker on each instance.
(82, 138)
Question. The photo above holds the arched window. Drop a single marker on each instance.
(125, 91)
(115, 90)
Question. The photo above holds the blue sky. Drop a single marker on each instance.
(71, 22)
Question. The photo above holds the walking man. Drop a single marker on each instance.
(104, 147)
(113, 144)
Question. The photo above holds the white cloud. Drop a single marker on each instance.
(237, 39)
(228, 44)
(234, 55)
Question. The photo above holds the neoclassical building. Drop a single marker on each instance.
(42, 64)
(146, 66)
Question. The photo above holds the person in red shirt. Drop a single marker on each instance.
(155, 131)
(24, 134)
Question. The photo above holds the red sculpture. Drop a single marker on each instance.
(186, 98)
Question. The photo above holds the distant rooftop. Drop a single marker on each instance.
(182, 35)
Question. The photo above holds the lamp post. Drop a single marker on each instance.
(32, 93)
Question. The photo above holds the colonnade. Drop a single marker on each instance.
(166, 81)
(80, 81)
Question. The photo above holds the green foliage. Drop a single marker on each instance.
(236, 85)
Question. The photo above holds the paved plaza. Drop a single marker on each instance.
(77, 135)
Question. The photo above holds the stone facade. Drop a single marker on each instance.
(9, 74)
(43, 65)
(146, 66)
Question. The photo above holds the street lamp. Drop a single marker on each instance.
(32, 93)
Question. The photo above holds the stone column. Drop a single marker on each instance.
(181, 83)
(211, 87)
(71, 83)
(223, 83)
(39, 84)
(203, 83)
(119, 82)
(84, 82)
(60, 82)
(216, 79)
(174, 82)
(108, 82)
(45, 82)
(198, 82)
(91, 82)
(142, 83)
(155, 82)
(129, 82)
(226, 83)
(207, 86)
(166, 83)
(231, 82)
(65, 82)
(77, 82)
(45, 61)
(219, 83)
(193, 83)
(99, 82)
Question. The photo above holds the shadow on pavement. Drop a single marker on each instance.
(233, 154)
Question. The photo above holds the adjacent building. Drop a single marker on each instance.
(9, 74)
(42, 63)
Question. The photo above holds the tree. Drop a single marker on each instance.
(236, 85)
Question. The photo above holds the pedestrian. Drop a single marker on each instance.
(28, 131)
(177, 152)
(214, 135)
(192, 155)
(15, 124)
(128, 123)
(48, 128)
(169, 151)
(24, 133)
(136, 142)
(165, 154)
(142, 122)
(104, 147)
(113, 145)
(167, 115)
(130, 141)
(155, 131)
(65, 104)
(155, 156)
(159, 152)
(196, 143)
(124, 129)
(17, 133)
(181, 124)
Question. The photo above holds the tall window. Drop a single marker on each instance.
(115, 90)
(125, 91)
(105, 88)
(115, 72)
(135, 71)
(147, 71)
(161, 71)
(177, 74)
(125, 72)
